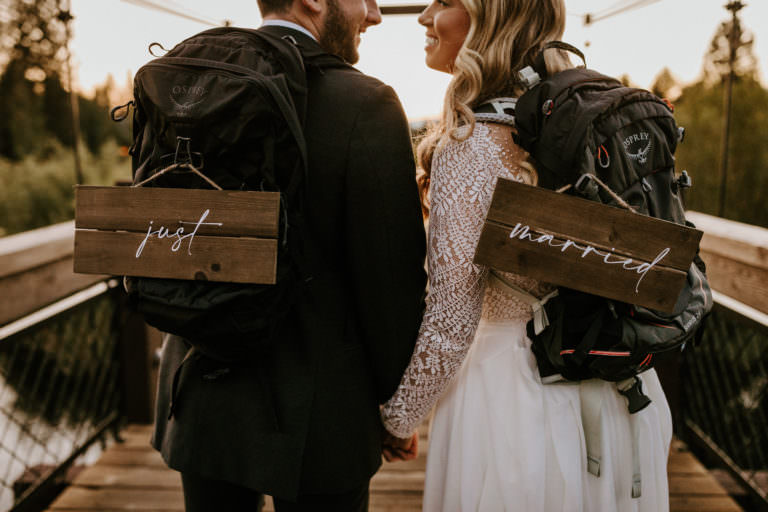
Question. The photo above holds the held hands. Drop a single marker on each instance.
(395, 448)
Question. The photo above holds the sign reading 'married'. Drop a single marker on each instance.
(587, 246)
(215, 235)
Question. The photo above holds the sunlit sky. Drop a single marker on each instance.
(112, 36)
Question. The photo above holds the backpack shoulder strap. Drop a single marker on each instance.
(497, 110)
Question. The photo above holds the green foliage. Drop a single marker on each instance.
(96, 125)
(21, 117)
(36, 192)
(700, 111)
(34, 34)
(31, 113)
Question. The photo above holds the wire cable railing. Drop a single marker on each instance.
(725, 393)
(59, 383)
(63, 369)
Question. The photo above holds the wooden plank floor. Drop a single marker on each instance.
(132, 476)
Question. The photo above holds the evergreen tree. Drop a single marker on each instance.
(21, 120)
(701, 110)
(665, 85)
(717, 60)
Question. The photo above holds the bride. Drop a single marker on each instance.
(500, 439)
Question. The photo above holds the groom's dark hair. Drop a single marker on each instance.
(274, 6)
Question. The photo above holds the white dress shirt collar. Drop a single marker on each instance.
(288, 24)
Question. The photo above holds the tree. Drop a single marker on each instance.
(700, 110)
(34, 35)
(665, 85)
(32, 51)
(717, 60)
(21, 119)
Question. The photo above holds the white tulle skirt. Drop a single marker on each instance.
(501, 440)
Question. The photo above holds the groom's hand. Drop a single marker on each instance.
(395, 448)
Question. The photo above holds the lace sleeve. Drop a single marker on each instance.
(464, 175)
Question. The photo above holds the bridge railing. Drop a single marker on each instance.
(724, 379)
(75, 363)
(67, 375)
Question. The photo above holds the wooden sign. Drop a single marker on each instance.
(214, 235)
(587, 246)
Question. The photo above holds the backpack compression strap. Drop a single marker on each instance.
(530, 76)
(590, 392)
(591, 398)
(540, 320)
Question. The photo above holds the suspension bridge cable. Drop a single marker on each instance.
(618, 8)
(177, 10)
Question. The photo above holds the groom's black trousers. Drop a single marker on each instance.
(206, 495)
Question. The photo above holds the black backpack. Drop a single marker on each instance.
(228, 103)
(589, 135)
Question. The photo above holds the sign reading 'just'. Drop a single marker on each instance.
(215, 235)
(587, 246)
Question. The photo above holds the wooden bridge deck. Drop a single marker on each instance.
(132, 476)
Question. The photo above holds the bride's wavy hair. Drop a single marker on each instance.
(504, 36)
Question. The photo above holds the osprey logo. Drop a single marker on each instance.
(185, 96)
(637, 146)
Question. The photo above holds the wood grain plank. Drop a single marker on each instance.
(83, 498)
(398, 481)
(400, 501)
(683, 463)
(242, 213)
(103, 475)
(31, 249)
(417, 464)
(638, 236)
(737, 241)
(658, 288)
(703, 504)
(224, 259)
(135, 438)
(746, 283)
(132, 457)
(26, 292)
(694, 485)
(132, 476)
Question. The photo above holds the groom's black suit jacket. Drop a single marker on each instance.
(305, 418)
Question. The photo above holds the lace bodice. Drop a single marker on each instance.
(464, 175)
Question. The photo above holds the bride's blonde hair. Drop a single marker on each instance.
(504, 36)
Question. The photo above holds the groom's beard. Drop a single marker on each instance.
(339, 34)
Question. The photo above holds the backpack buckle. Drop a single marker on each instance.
(632, 389)
(183, 144)
(528, 77)
(684, 180)
(587, 187)
(184, 154)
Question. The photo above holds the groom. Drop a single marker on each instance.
(303, 424)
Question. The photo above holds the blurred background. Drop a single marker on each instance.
(76, 363)
(64, 63)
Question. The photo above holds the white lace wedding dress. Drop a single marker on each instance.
(500, 440)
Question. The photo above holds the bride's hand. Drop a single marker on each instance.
(395, 448)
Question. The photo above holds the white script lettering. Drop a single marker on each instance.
(523, 232)
(179, 234)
